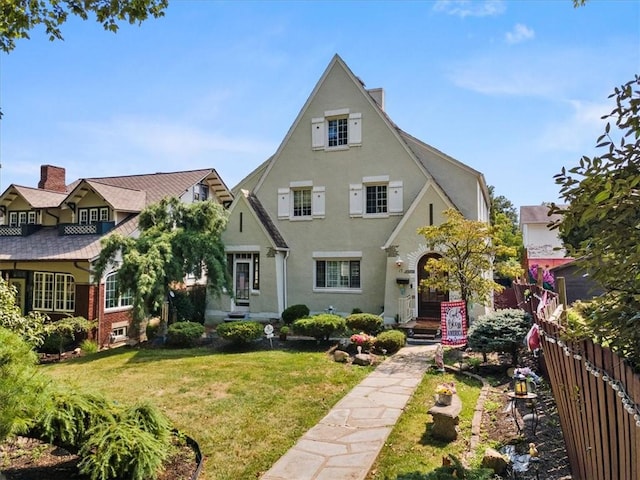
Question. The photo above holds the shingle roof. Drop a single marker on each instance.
(160, 185)
(47, 244)
(121, 199)
(538, 214)
(37, 197)
(265, 219)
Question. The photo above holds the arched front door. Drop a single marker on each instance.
(429, 299)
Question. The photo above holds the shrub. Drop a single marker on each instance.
(391, 341)
(152, 330)
(182, 306)
(89, 346)
(364, 322)
(294, 312)
(319, 326)
(500, 331)
(184, 334)
(56, 343)
(22, 387)
(241, 332)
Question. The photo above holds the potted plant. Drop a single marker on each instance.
(284, 331)
(444, 393)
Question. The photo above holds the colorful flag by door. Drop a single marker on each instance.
(454, 325)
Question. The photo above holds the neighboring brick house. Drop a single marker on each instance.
(51, 235)
(331, 219)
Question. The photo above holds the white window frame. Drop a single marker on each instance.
(13, 219)
(287, 198)
(352, 128)
(301, 202)
(54, 292)
(123, 299)
(358, 197)
(104, 214)
(344, 262)
(83, 216)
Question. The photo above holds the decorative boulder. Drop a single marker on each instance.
(494, 460)
(363, 359)
(340, 356)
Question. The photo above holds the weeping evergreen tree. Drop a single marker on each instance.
(176, 239)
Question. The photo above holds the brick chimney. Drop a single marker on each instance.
(52, 178)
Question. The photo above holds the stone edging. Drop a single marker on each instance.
(476, 421)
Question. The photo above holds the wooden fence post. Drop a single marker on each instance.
(561, 286)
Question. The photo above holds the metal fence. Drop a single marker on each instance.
(597, 395)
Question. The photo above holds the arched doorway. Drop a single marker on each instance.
(429, 299)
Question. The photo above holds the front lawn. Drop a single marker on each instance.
(244, 409)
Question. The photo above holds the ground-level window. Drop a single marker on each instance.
(54, 292)
(337, 274)
(113, 297)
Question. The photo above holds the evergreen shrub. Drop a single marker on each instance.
(320, 327)
(184, 334)
(390, 340)
(500, 331)
(365, 322)
(240, 332)
(294, 312)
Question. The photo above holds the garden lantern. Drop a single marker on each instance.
(520, 386)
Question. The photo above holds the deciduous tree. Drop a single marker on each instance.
(468, 248)
(176, 239)
(19, 17)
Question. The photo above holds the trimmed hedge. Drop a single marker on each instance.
(184, 334)
(320, 327)
(240, 332)
(294, 312)
(365, 322)
(391, 341)
(501, 331)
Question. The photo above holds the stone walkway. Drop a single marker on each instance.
(346, 442)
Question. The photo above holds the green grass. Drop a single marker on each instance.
(244, 409)
(410, 449)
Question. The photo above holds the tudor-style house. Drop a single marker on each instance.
(331, 219)
(51, 235)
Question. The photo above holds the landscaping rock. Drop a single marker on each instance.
(363, 359)
(340, 356)
(494, 460)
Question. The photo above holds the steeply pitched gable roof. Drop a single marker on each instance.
(35, 197)
(265, 220)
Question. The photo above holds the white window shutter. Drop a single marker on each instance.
(395, 197)
(317, 132)
(283, 203)
(317, 202)
(356, 202)
(355, 129)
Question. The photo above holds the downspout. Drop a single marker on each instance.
(284, 280)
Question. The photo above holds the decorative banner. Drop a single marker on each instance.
(454, 326)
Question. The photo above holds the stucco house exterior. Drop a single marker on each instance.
(543, 246)
(330, 219)
(51, 235)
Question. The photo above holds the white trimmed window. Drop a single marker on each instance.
(113, 298)
(375, 197)
(301, 201)
(337, 271)
(30, 217)
(93, 215)
(337, 129)
(54, 292)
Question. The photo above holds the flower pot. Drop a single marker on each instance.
(443, 399)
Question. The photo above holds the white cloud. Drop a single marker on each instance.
(577, 133)
(519, 34)
(468, 8)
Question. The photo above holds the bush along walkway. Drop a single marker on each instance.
(347, 441)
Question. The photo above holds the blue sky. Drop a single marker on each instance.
(515, 89)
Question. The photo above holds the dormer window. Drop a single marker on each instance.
(31, 217)
(88, 216)
(200, 192)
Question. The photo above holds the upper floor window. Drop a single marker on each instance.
(54, 292)
(17, 219)
(200, 192)
(376, 201)
(337, 129)
(376, 197)
(301, 201)
(93, 215)
(113, 297)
